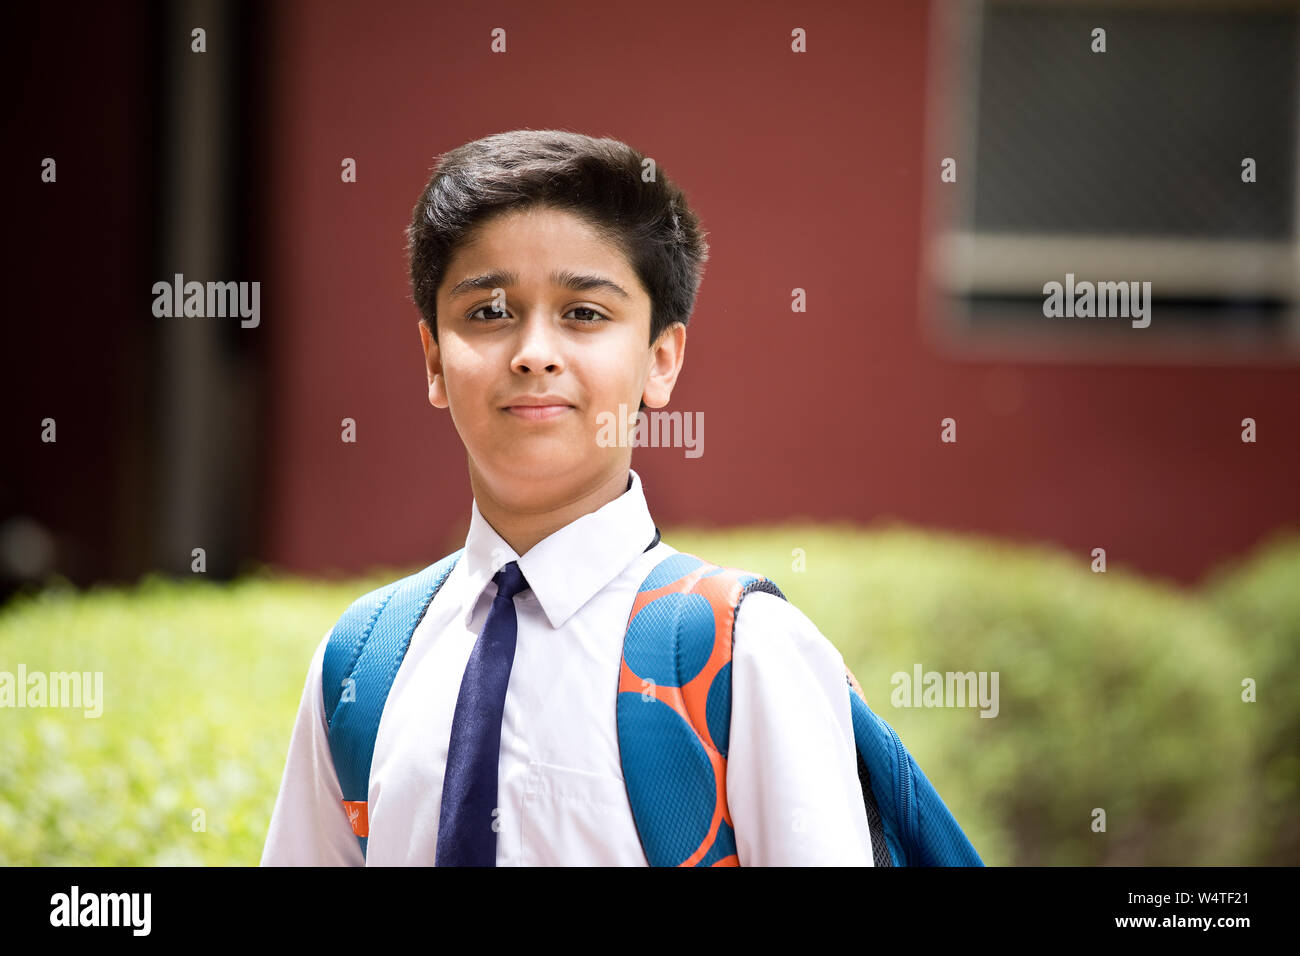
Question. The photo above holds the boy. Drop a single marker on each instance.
(555, 284)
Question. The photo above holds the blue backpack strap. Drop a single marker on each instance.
(365, 649)
(918, 828)
(674, 718)
(674, 708)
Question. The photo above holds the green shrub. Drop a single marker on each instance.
(201, 683)
(1260, 598)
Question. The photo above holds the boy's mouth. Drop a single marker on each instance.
(539, 413)
(538, 408)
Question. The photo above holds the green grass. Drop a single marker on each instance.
(1115, 692)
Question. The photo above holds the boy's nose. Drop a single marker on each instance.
(538, 345)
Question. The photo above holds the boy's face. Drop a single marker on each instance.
(509, 330)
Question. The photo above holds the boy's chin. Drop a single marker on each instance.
(556, 470)
(535, 463)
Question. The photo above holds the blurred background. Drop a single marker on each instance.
(920, 170)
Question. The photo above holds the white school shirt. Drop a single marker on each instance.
(792, 779)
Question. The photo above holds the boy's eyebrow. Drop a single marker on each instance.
(563, 278)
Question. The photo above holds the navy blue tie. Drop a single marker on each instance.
(469, 791)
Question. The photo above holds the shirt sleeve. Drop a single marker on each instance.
(309, 826)
(792, 773)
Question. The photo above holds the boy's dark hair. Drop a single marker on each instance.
(597, 179)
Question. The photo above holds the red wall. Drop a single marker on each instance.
(807, 171)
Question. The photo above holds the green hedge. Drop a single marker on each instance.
(1261, 601)
(1114, 693)
(201, 686)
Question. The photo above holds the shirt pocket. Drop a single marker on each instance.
(577, 818)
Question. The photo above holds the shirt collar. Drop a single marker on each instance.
(568, 568)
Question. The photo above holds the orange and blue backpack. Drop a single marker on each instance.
(673, 716)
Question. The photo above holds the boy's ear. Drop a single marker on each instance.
(433, 363)
(666, 357)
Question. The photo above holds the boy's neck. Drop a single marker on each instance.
(523, 522)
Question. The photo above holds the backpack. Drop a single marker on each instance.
(673, 716)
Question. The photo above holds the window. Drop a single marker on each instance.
(1147, 146)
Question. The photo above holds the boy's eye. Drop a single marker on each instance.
(499, 313)
(599, 316)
